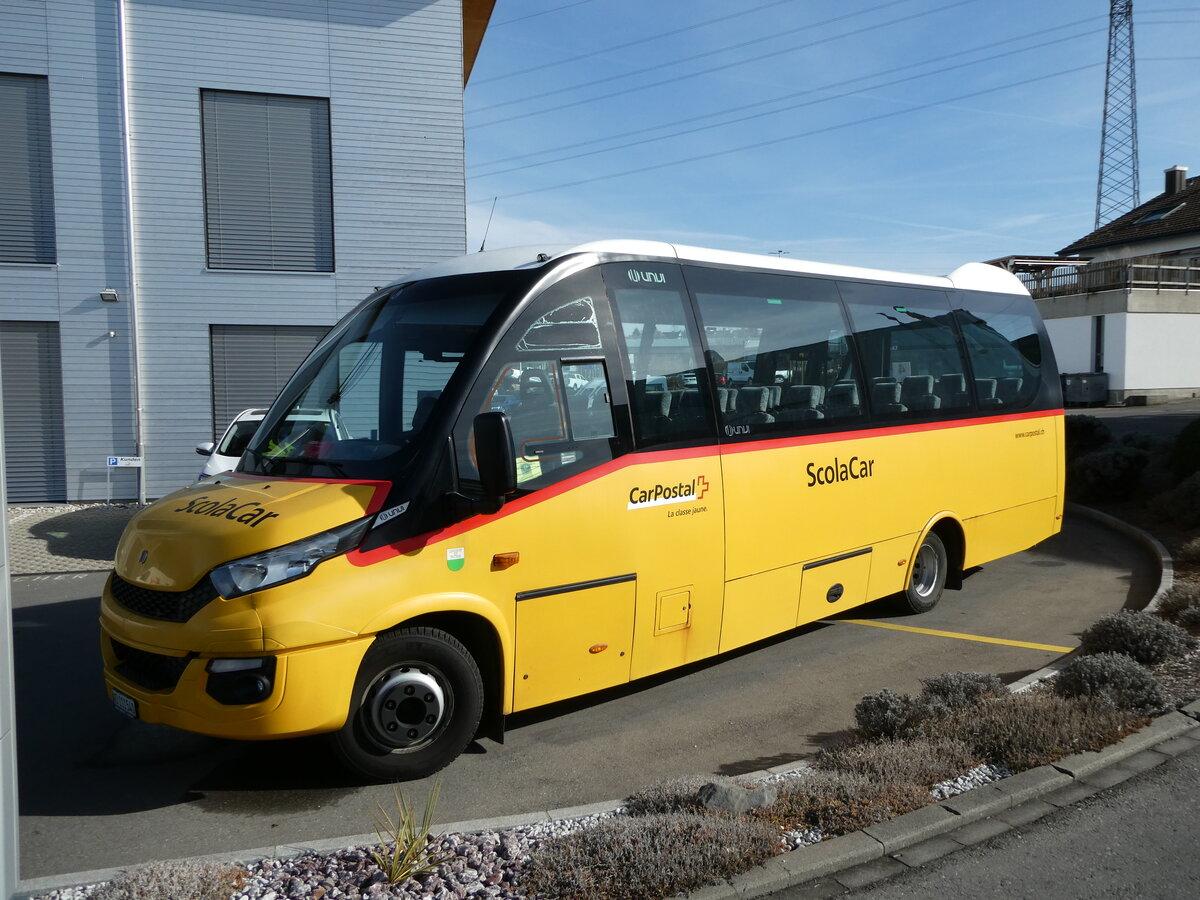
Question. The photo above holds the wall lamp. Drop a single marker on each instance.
(110, 295)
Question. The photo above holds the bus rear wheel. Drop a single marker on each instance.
(417, 703)
(928, 578)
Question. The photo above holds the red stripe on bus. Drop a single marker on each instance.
(408, 545)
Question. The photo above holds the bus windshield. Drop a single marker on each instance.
(359, 405)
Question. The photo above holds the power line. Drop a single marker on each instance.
(676, 78)
(544, 12)
(740, 14)
(790, 107)
(804, 134)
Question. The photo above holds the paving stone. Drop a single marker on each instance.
(978, 803)
(1029, 811)
(821, 889)
(927, 851)
(1033, 783)
(911, 828)
(1176, 746)
(1192, 709)
(977, 832)
(1072, 793)
(1110, 776)
(762, 880)
(1145, 761)
(870, 873)
(830, 856)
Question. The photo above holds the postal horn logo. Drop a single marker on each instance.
(667, 494)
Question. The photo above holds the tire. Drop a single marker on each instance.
(928, 579)
(416, 705)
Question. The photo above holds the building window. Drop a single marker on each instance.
(26, 176)
(268, 185)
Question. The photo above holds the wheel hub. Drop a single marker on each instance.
(406, 707)
(925, 571)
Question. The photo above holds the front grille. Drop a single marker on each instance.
(171, 606)
(152, 671)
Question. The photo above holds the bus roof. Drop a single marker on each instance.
(972, 276)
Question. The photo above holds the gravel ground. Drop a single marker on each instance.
(481, 865)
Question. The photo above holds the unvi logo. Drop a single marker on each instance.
(648, 277)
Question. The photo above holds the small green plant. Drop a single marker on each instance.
(1145, 637)
(1189, 552)
(950, 691)
(411, 852)
(182, 880)
(1112, 677)
(648, 857)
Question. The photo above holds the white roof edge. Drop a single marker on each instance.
(972, 276)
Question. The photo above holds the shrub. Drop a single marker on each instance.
(1180, 504)
(646, 857)
(1112, 677)
(1181, 598)
(1149, 442)
(1022, 731)
(1111, 473)
(841, 802)
(1185, 452)
(920, 761)
(675, 795)
(1083, 434)
(950, 691)
(884, 714)
(184, 880)
(888, 715)
(1189, 552)
(1145, 637)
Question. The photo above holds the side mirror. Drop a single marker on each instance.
(205, 448)
(496, 458)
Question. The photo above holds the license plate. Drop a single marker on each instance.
(125, 704)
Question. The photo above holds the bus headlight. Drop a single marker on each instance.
(286, 563)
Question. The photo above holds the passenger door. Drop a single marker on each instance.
(672, 517)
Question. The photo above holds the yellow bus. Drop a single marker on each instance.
(524, 477)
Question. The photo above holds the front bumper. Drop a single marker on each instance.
(311, 691)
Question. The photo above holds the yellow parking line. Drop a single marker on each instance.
(950, 634)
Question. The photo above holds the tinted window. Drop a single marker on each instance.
(1004, 346)
(910, 351)
(549, 376)
(779, 350)
(668, 391)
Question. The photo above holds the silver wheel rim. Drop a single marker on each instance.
(407, 706)
(926, 570)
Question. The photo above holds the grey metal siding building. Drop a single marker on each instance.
(281, 158)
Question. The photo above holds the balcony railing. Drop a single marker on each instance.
(1112, 276)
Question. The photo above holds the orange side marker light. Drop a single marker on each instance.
(505, 560)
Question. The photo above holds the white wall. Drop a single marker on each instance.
(1072, 343)
(1160, 351)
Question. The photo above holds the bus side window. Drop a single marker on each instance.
(668, 388)
(1004, 345)
(912, 359)
(559, 410)
(779, 350)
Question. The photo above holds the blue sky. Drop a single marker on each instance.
(912, 135)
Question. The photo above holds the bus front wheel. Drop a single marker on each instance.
(417, 702)
(928, 578)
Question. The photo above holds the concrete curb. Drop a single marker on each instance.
(885, 848)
